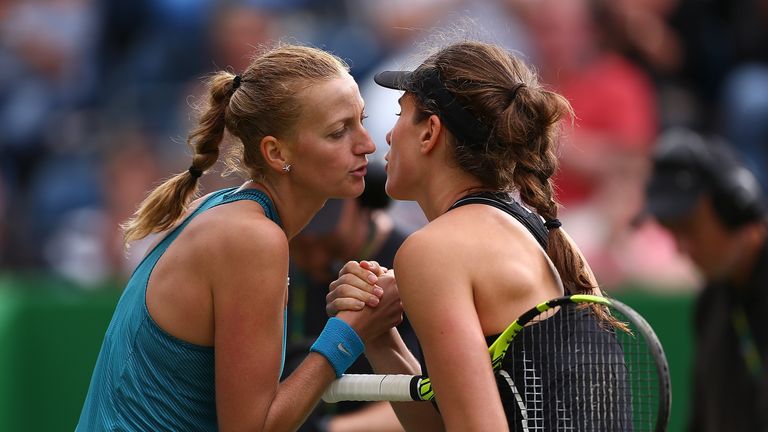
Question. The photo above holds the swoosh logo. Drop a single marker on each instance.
(342, 349)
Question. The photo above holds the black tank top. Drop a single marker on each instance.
(559, 410)
(503, 201)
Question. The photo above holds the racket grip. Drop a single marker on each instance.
(369, 387)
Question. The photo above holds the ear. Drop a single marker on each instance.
(431, 133)
(275, 153)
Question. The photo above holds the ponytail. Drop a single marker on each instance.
(168, 201)
(537, 113)
(570, 264)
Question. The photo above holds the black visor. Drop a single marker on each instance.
(395, 80)
(428, 86)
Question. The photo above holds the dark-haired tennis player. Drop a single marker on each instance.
(475, 146)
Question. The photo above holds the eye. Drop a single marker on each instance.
(339, 133)
(363, 117)
(398, 114)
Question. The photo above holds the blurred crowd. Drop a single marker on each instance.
(96, 97)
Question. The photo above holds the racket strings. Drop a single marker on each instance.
(571, 372)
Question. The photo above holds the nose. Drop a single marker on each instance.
(366, 144)
(389, 138)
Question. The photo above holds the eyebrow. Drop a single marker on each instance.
(344, 120)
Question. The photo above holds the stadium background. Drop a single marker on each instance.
(96, 97)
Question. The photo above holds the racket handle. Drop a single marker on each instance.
(369, 387)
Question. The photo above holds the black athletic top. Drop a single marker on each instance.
(536, 384)
(565, 373)
(502, 201)
(506, 203)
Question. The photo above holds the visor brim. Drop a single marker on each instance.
(396, 80)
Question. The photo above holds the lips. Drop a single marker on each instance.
(361, 171)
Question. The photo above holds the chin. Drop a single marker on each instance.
(352, 192)
(395, 194)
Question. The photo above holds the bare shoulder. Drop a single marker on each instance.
(472, 244)
(238, 235)
(444, 238)
(429, 254)
(480, 224)
(250, 229)
(418, 246)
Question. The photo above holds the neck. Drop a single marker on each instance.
(437, 203)
(302, 209)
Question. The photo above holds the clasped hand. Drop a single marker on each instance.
(362, 284)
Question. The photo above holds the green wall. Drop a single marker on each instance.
(50, 334)
(671, 317)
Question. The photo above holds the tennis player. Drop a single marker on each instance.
(197, 341)
(475, 146)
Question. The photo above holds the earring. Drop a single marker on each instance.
(287, 167)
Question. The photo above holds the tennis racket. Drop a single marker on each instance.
(579, 362)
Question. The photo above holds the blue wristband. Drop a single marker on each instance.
(339, 344)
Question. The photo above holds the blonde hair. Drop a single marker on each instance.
(261, 104)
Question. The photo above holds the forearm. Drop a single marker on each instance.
(374, 417)
(298, 394)
(333, 352)
(388, 354)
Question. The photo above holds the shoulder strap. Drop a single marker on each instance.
(217, 198)
(212, 201)
(531, 221)
(254, 195)
(154, 254)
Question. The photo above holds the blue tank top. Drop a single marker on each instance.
(144, 378)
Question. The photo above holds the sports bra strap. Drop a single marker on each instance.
(502, 201)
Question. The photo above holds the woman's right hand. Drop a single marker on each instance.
(372, 322)
(355, 288)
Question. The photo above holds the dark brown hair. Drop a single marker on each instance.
(262, 103)
(519, 152)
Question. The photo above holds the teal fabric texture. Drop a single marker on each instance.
(146, 379)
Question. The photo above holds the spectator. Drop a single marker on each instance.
(713, 206)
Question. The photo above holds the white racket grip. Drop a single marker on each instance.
(369, 387)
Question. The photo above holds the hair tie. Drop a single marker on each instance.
(553, 224)
(236, 82)
(515, 89)
(195, 172)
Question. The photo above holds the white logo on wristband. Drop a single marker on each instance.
(344, 350)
